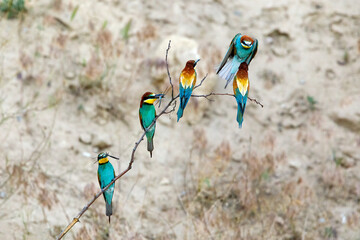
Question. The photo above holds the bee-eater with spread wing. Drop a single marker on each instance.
(242, 49)
(241, 87)
(187, 83)
(106, 174)
(147, 115)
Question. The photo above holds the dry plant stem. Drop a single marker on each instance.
(201, 82)
(214, 94)
(76, 219)
(255, 101)
(167, 68)
(225, 94)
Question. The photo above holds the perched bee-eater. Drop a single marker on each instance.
(147, 115)
(187, 83)
(241, 87)
(242, 49)
(106, 174)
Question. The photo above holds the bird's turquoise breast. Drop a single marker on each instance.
(106, 175)
(148, 114)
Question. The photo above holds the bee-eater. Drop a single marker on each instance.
(147, 115)
(187, 83)
(106, 174)
(241, 87)
(242, 49)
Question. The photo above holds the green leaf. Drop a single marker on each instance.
(104, 24)
(74, 12)
(125, 30)
(207, 182)
(311, 100)
(265, 175)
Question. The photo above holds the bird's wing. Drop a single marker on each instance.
(101, 187)
(253, 52)
(114, 175)
(99, 178)
(229, 54)
(194, 80)
(141, 121)
(183, 80)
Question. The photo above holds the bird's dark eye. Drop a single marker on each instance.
(246, 41)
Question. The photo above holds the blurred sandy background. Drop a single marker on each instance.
(70, 86)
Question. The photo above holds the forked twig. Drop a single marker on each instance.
(201, 82)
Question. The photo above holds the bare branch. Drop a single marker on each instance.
(172, 110)
(225, 94)
(255, 101)
(167, 69)
(213, 94)
(201, 82)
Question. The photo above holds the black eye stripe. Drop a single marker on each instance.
(247, 43)
(102, 155)
(148, 97)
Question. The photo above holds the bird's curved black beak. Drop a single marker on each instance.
(159, 95)
(196, 62)
(114, 157)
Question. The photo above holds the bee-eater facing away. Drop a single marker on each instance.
(187, 83)
(241, 87)
(242, 49)
(147, 115)
(106, 174)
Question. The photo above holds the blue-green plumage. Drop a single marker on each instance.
(241, 101)
(106, 174)
(187, 81)
(241, 86)
(242, 49)
(147, 114)
(185, 95)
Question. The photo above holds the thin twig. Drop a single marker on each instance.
(225, 94)
(213, 94)
(167, 68)
(201, 82)
(255, 101)
(172, 110)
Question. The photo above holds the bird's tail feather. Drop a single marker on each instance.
(240, 115)
(183, 102)
(180, 113)
(108, 209)
(150, 146)
(226, 72)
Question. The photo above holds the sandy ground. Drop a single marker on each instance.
(70, 87)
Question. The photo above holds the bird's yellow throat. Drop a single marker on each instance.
(150, 100)
(103, 160)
